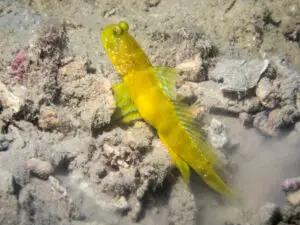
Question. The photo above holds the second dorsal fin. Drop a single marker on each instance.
(191, 125)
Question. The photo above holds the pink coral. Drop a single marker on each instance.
(19, 64)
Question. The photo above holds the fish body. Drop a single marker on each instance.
(148, 92)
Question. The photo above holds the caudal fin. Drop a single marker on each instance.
(215, 182)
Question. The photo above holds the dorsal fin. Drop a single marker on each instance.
(191, 125)
(126, 110)
(166, 77)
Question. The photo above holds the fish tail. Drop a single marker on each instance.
(213, 180)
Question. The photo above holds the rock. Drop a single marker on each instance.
(297, 127)
(39, 198)
(48, 118)
(41, 169)
(282, 223)
(97, 171)
(139, 136)
(191, 70)
(267, 94)
(268, 214)
(246, 118)
(247, 36)
(289, 27)
(218, 137)
(291, 184)
(284, 117)
(8, 100)
(288, 80)
(181, 45)
(7, 183)
(57, 186)
(5, 141)
(122, 205)
(144, 5)
(290, 214)
(249, 105)
(66, 153)
(8, 201)
(291, 188)
(74, 67)
(136, 211)
(182, 205)
(136, 142)
(50, 44)
(88, 98)
(238, 75)
(293, 198)
(186, 93)
(217, 134)
(209, 95)
(156, 166)
(271, 124)
(119, 183)
(9, 210)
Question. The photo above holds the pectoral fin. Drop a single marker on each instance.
(166, 77)
(126, 111)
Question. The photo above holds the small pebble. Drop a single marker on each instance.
(293, 198)
(5, 141)
(121, 204)
(41, 169)
(246, 118)
(291, 184)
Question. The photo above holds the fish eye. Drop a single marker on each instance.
(124, 25)
(117, 31)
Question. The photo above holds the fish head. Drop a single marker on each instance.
(122, 49)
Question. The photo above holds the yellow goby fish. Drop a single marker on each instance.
(148, 93)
